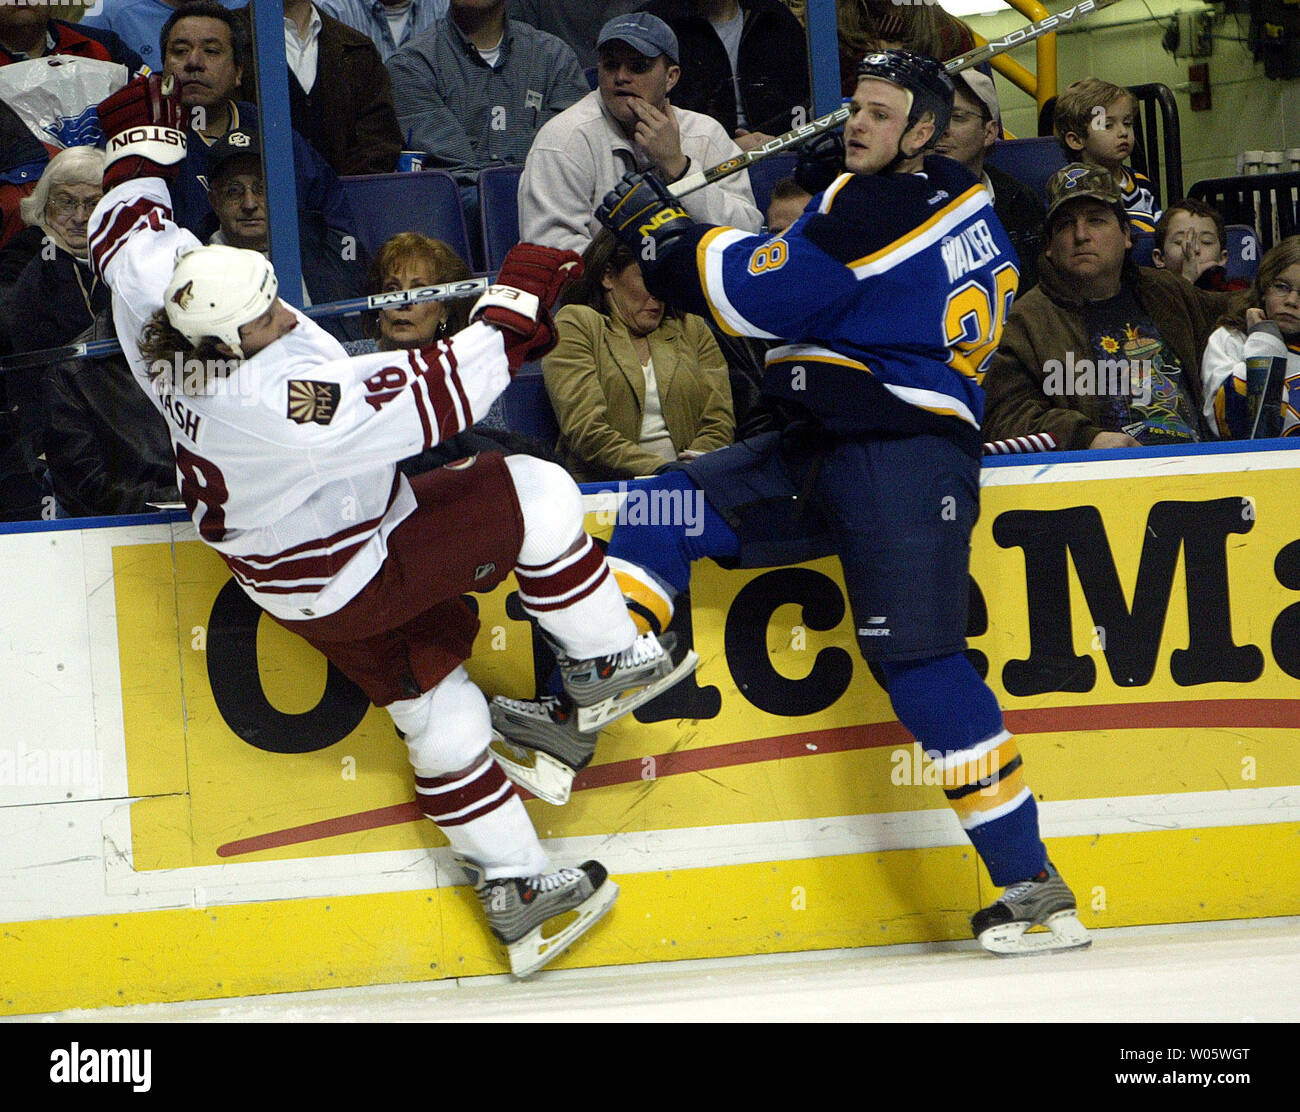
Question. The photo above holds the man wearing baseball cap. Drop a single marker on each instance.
(1101, 353)
(627, 123)
(972, 131)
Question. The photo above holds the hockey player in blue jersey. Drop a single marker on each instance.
(889, 296)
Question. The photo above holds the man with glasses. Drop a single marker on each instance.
(627, 123)
(237, 193)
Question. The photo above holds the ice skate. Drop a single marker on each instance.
(538, 744)
(542, 744)
(1002, 926)
(607, 687)
(538, 918)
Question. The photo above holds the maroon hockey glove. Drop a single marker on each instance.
(144, 131)
(519, 302)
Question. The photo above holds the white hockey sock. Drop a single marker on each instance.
(484, 819)
(564, 581)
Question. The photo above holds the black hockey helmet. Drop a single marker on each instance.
(920, 75)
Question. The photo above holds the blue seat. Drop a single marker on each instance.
(765, 174)
(1031, 161)
(426, 202)
(1243, 251)
(498, 211)
(592, 74)
(526, 406)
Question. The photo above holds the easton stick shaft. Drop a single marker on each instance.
(832, 120)
(448, 291)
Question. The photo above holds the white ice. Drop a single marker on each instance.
(1226, 972)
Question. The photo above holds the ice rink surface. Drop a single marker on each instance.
(1245, 971)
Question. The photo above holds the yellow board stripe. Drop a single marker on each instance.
(899, 896)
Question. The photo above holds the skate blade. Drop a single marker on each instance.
(600, 715)
(547, 941)
(541, 774)
(1064, 932)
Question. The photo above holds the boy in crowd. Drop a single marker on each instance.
(1190, 240)
(1094, 123)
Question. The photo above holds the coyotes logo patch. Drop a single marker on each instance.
(313, 402)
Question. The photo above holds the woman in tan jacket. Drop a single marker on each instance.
(635, 386)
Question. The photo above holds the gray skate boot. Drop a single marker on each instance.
(538, 918)
(1045, 901)
(542, 744)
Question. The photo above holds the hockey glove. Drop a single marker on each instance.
(519, 302)
(821, 161)
(644, 216)
(144, 131)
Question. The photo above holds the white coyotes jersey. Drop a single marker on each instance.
(287, 463)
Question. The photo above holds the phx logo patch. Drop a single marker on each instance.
(313, 402)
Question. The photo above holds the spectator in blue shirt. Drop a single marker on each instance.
(390, 23)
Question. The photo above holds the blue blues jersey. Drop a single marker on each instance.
(890, 292)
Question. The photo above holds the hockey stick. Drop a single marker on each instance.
(832, 120)
(448, 291)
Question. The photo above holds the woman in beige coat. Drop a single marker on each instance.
(634, 385)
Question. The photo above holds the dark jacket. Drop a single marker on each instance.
(1021, 213)
(86, 42)
(16, 253)
(348, 116)
(1048, 321)
(772, 60)
(106, 446)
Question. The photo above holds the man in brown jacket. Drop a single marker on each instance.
(1101, 353)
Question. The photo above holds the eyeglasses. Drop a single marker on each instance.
(960, 116)
(1282, 289)
(70, 206)
(235, 190)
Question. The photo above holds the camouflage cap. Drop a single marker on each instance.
(1077, 180)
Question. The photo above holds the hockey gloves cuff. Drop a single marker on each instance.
(644, 216)
(144, 131)
(529, 280)
(820, 162)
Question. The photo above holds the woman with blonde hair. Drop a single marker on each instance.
(406, 262)
(635, 385)
(54, 296)
(1262, 327)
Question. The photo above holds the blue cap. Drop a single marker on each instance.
(642, 31)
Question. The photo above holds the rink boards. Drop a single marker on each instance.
(193, 806)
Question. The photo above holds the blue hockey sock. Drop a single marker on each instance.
(956, 719)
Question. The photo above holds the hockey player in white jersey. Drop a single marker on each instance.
(286, 452)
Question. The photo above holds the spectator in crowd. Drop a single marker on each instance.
(27, 31)
(634, 385)
(139, 23)
(473, 91)
(1262, 329)
(206, 49)
(785, 204)
(1101, 353)
(577, 22)
(1094, 123)
(868, 25)
(1191, 241)
(627, 123)
(744, 62)
(409, 261)
(976, 122)
(389, 24)
(340, 96)
(55, 295)
(106, 446)
(237, 194)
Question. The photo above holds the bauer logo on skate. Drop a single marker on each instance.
(1151, 615)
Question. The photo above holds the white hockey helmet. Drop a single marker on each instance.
(216, 289)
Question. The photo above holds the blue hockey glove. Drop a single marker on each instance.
(644, 216)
